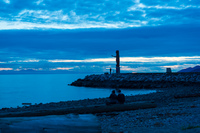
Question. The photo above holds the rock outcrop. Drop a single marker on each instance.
(139, 80)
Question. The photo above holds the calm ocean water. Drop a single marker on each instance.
(45, 88)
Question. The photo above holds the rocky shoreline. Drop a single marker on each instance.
(177, 110)
(172, 114)
(139, 80)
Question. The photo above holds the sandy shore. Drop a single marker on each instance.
(178, 110)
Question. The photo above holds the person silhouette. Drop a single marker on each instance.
(120, 97)
(112, 98)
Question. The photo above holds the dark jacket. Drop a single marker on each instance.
(113, 97)
(121, 98)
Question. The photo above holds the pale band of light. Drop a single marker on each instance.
(135, 59)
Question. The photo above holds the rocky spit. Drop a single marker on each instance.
(139, 80)
(178, 110)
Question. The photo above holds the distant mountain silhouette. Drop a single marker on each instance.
(31, 71)
(191, 69)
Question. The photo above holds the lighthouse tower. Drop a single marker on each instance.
(117, 61)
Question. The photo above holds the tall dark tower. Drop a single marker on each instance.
(117, 61)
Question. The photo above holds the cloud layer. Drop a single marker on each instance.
(81, 35)
(128, 64)
(83, 14)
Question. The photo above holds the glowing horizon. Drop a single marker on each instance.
(135, 59)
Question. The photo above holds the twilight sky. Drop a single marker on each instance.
(81, 35)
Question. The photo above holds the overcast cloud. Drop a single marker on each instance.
(33, 33)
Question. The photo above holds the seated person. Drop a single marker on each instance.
(120, 97)
(113, 98)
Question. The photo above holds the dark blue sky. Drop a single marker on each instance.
(82, 35)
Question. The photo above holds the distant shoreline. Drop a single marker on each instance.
(4, 72)
(38, 72)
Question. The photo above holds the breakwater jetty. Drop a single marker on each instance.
(139, 80)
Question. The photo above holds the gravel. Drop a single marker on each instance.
(171, 114)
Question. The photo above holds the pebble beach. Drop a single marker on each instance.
(178, 110)
(171, 115)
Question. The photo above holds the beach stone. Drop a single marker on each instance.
(139, 80)
(173, 114)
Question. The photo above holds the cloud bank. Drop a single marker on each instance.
(81, 35)
(81, 14)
